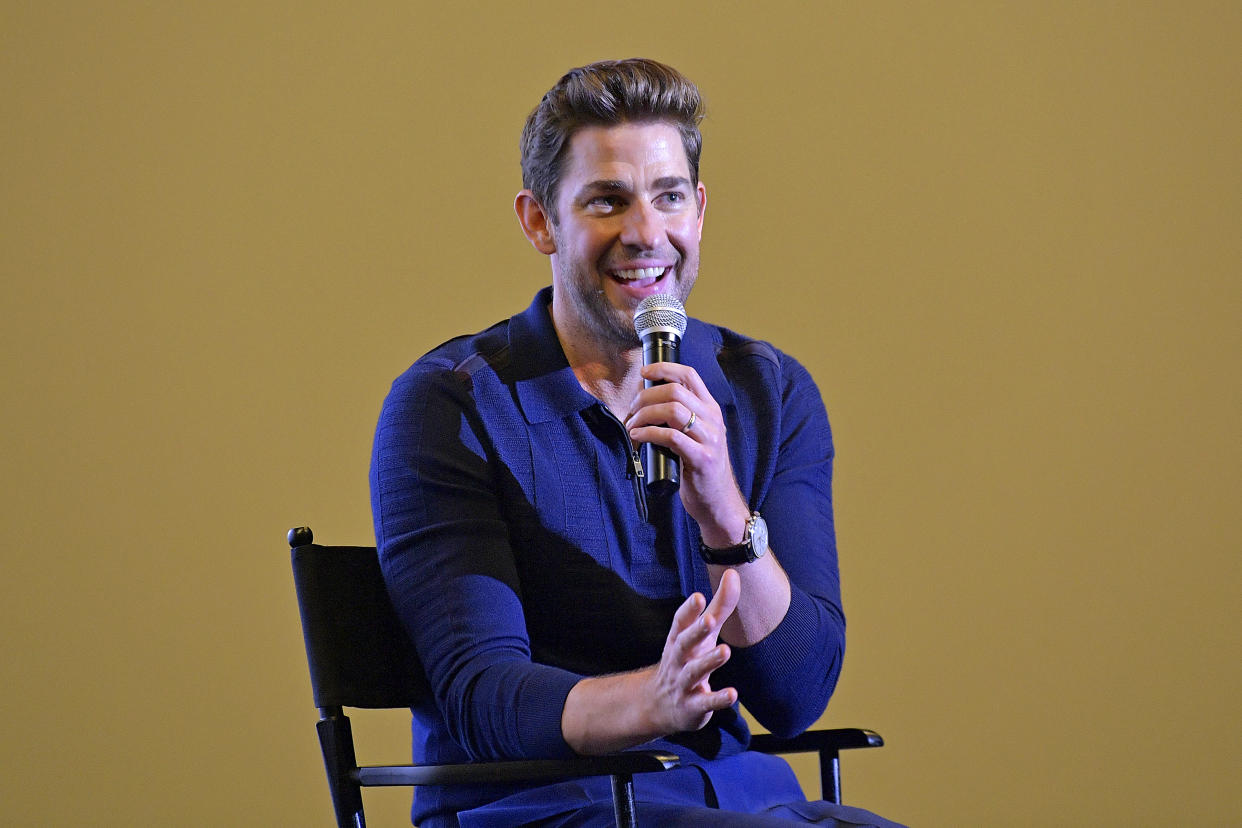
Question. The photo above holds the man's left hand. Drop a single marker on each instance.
(681, 415)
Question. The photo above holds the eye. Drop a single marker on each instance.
(673, 198)
(604, 202)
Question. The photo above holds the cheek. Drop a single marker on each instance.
(686, 235)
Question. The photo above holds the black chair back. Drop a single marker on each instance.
(359, 654)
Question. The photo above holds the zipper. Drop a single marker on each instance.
(634, 467)
(635, 473)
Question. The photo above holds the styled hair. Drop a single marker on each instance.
(606, 93)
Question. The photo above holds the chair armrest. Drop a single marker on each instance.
(828, 744)
(814, 741)
(534, 770)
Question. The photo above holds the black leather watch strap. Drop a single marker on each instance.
(752, 547)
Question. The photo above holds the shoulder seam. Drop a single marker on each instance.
(472, 363)
(753, 347)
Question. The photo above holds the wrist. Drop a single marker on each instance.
(605, 714)
(752, 547)
(727, 530)
(648, 711)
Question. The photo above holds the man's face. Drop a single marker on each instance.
(629, 225)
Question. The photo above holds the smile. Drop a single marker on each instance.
(639, 274)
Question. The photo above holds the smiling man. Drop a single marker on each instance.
(626, 223)
(558, 606)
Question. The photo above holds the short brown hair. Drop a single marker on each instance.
(606, 93)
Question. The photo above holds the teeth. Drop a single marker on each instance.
(640, 273)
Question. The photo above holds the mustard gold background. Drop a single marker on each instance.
(1004, 237)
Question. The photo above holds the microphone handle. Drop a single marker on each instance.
(663, 465)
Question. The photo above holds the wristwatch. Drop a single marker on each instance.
(754, 545)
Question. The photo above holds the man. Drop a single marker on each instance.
(558, 605)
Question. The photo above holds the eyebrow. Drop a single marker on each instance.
(672, 182)
(605, 185)
(616, 185)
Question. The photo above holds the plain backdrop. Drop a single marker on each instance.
(1004, 237)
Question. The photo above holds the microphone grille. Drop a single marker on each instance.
(660, 312)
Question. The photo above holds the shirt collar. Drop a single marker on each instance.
(546, 386)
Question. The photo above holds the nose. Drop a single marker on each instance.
(643, 227)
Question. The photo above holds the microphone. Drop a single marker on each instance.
(660, 321)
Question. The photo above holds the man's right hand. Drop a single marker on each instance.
(681, 695)
(610, 713)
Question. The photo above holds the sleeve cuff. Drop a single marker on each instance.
(538, 724)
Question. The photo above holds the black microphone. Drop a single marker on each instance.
(660, 321)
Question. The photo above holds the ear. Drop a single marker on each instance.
(535, 222)
(701, 194)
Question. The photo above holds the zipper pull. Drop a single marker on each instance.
(640, 489)
(636, 461)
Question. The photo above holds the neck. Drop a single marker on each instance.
(607, 372)
(612, 389)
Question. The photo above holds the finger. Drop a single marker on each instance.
(677, 373)
(708, 703)
(725, 601)
(698, 670)
(722, 699)
(668, 393)
(694, 639)
(686, 615)
(660, 435)
(697, 710)
(670, 415)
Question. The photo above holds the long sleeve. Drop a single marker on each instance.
(786, 680)
(445, 552)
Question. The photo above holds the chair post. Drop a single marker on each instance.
(336, 740)
(830, 775)
(623, 800)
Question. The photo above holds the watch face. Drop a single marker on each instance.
(759, 537)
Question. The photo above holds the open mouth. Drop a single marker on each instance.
(641, 277)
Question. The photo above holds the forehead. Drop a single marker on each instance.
(629, 152)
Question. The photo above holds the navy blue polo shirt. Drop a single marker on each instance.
(523, 552)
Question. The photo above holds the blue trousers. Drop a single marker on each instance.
(736, 794)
